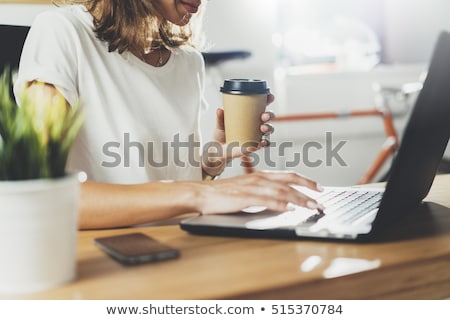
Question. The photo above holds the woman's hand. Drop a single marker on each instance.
(214, 162)
(157, 201)
(268, 189)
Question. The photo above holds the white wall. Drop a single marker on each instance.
(412, 28)
(20, 14)
(243, 25)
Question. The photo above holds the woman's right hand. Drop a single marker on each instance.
(268, 189)
(106, 205)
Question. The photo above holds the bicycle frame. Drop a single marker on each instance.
(388, 148)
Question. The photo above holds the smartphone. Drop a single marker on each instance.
(135, 248)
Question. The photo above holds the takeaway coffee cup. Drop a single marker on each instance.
(244, 100)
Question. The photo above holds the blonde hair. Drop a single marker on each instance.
(136, 25)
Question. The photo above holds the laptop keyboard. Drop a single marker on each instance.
(347, 206)
(343, 207)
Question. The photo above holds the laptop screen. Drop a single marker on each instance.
(424, 140)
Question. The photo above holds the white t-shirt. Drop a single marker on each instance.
(142, 122)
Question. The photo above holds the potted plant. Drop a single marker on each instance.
(38, 198)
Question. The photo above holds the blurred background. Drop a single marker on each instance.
(318, 56)
(323, 55)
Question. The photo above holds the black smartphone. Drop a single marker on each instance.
(135, 248)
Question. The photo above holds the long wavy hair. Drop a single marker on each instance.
(135, 25)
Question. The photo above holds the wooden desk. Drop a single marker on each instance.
(410, 267)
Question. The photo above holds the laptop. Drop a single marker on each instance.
(358, 213)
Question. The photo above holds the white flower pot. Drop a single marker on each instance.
(38, 233)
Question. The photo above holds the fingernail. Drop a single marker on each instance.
(312, 205)
(320, 188)
(290, 207)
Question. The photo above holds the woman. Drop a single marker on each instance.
(132, 65)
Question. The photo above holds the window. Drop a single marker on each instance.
(347, 33)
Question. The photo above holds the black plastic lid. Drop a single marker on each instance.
(245, 86)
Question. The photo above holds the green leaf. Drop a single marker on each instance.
(35, 138)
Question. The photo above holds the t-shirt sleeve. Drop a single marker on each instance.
(204, 105)
(49, 56)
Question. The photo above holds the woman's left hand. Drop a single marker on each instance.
(215, 160)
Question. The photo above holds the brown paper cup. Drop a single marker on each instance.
(244, 101)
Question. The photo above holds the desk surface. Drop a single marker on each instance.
(411, 265)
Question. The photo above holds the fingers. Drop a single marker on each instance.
(264, 142)
(220, 124)
(270, 98)
(292, 177)
(283, 194)
(267, 116)
(266, 129)
(274, 190)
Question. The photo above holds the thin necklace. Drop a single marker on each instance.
(160, 60)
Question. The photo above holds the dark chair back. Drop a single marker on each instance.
(11, 43)
(12, 39)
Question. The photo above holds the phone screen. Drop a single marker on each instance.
(134, 248)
